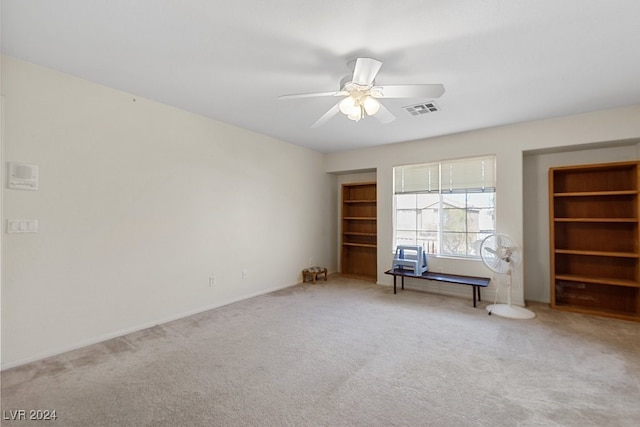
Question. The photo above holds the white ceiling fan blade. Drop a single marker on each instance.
(314, 94)
(326, 116)
(409, 91)
(384, 115)
(365, 71)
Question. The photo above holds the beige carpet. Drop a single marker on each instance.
(340, 353)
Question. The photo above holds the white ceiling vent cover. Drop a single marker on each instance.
(420, 109)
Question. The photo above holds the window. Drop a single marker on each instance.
(446, 207)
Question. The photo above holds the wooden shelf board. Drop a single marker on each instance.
(598, 253)
(596, 193)
(597, 311)
(631, 220)
(362, 245)
(360, 184)
(360, 218)
(598, 280)
(360, 201)
(354, 233)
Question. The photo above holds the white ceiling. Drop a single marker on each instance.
(500, 61)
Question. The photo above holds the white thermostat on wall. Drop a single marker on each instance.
(23, 176)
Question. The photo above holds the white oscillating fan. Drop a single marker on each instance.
(500, 254)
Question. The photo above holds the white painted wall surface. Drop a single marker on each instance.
(139, 205)
(508, 143)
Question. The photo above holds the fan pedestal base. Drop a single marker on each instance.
(510, 311)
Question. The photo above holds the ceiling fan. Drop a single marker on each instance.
(360, 94)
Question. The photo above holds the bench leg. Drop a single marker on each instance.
(394, 284)
(476, 290)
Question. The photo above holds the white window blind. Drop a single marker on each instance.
(475, 174)
(417, 178)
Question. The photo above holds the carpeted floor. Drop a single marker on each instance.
(344, 353)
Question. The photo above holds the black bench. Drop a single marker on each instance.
(476, 282)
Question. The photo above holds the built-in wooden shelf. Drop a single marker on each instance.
(595, 234)
(359, 230)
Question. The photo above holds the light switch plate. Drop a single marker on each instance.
(22, 226)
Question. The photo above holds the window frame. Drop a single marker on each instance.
(484, 182)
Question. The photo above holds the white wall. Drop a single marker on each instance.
(508, 143)
(139, 204)
(536, 207)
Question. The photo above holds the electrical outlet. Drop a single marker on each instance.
(244, 274)
(212, 281)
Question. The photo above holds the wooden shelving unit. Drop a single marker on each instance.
(359, 230)
(595, 254)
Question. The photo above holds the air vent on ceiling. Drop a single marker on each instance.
(420, 109)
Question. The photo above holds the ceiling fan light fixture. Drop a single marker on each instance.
(356, 114)
(348, 105)
(371, 105)
(352, 108)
